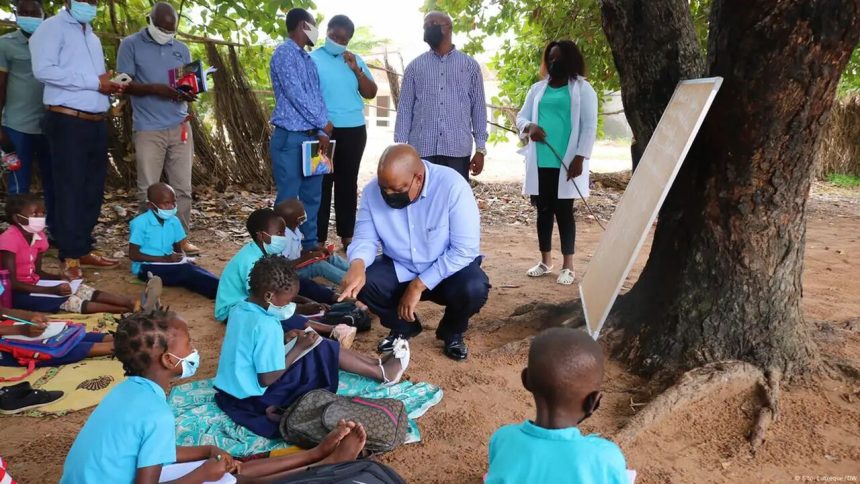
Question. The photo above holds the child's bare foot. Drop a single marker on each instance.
(331, 441)
(349, 448)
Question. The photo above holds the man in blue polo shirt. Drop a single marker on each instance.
(300, 115)
(162, 136)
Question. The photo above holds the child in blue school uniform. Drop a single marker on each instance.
(257, 376)
(331, 267)
(564, 374)
(155, 246)
(131, 436)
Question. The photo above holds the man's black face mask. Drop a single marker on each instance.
(433, 35)
(397, 200)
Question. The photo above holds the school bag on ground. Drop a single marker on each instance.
(347, 313)
(30, 352)
(363, 471)
(307, 422)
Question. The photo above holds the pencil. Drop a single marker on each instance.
(20, 320)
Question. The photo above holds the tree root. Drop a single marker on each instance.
(769, 412)
(691, 387)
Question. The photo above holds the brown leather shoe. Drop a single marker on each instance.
(190, 249)
(72, 269)
(95, 259)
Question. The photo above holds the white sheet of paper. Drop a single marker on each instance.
(185, 260)
(631, 476)
(76, 284)
(175, 471)
(292, 343)
(52, 330)
(643, 198)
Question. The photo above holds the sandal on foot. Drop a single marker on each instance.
(539, 270)
(344, 334)
(401, 352)
(566, 277)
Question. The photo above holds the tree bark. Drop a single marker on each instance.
(723, 280)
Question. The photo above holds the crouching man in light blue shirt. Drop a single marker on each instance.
(427, 221)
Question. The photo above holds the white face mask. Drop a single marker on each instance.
(158, 35)
(312, 32)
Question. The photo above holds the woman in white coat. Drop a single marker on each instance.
(559, 119)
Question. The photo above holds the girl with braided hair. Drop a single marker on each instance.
(130, 436)
(258, 374)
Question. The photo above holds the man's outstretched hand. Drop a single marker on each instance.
(353, 281)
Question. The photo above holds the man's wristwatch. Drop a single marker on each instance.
(482, 151)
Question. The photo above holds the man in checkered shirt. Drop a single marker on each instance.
(442, 107)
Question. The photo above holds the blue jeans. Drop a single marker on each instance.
(31, 147)
(286, 151)
(332, 269)
(190, 276)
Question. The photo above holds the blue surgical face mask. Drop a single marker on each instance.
(28, 24)
(83, 12)
(277, 246)
(282, 312)
(189, 364)
(333, 47)
(165, 214)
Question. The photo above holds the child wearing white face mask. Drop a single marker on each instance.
(311, 263)
(22, 246)
(258, 375)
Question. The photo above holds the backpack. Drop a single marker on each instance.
(347, 313)
(363, 471)
(307, 422)
(30, 352)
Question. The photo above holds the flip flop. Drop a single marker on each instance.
(401, 352)
(539, 270)
(566, 277)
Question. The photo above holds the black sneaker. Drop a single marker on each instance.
(17, 389)
(11, 404)
(387, 344)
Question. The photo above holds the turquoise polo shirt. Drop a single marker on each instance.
(154, 237)
(24, 109)
(528, 453)
(149, 62)
(253, 344)
(233, 287)
(340, 88)
(132, 428)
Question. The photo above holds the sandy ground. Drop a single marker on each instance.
(817, 436)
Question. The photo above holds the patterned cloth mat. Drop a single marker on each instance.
(84, 383)
(199, 421)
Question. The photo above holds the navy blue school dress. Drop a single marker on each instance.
(254, 344)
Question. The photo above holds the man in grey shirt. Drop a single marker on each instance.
(162, 136)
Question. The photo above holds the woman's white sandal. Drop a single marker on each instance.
(566, 277)
(539, 270)
(401, 352)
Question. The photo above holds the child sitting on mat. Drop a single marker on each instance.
(130, 436)
(328, 266)
(564, 374)
(257, 376)
(22, 246)
(155, 246)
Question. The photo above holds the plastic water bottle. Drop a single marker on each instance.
(6, 282)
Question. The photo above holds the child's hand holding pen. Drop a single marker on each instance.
(63, 289)
(174, 257)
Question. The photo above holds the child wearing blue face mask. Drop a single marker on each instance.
(257, 376)
(155, 241)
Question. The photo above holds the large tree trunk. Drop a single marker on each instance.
(723, 280)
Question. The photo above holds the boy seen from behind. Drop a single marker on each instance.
(564, 373)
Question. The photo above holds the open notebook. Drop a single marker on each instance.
(292, 343)
(76, 284)
(52, 330)
(173, 472)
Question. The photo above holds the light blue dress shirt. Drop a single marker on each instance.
(253, 344)
(340, 88)
(153, 237)
(233, 287)
(299, 103)
(132, 428)
(68, 60)
(528, 453)
(432, 238)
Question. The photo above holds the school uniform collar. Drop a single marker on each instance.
(294, 234)
(566, 434)
(152, 219)
(36, 237)
(146, 382)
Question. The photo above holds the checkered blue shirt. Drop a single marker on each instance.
(442, 105)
